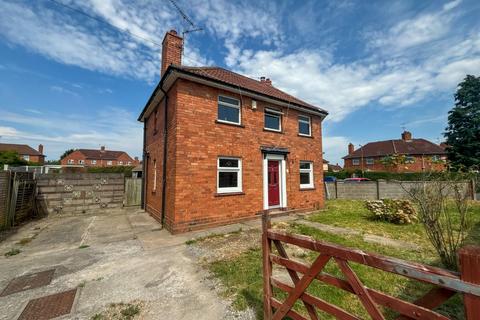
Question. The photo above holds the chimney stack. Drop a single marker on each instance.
(266, 80)
(172, 47)
(102, 148)
(136, 158)
(351, 148)
(40, 148)
(406, 136)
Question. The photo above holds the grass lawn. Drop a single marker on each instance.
(241, 276)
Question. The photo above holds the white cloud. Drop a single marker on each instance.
(115, 128)
(335, 147)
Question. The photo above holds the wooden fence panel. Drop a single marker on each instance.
(133, 192)
(447, 283)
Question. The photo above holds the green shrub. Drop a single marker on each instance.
(126, 170)
(391, 210)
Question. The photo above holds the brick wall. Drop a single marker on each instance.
(72, 193)
(420, 164)
(370, 190)
(195, 142)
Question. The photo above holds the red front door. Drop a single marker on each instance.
(273, 183)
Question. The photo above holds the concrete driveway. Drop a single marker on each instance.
(114, 258)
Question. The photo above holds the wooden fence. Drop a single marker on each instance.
(133, 191)
(447, 283)
(19, 202)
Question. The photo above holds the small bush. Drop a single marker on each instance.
(12, 252)
(391, 210)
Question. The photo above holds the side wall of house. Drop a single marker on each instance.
(420, 164)
(201, 140)
(154, 162)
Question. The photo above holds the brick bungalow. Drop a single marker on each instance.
(418, 155)
(220, 147)
(99, 158)
(25, 152)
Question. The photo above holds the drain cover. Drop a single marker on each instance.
(49, 307)
(28, 281)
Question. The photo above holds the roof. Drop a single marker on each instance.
(233, 78)
(101, 155)
(400, 146)
(20, 149)
(237, 82)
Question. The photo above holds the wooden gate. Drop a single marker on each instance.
(21, 198)
(133, 191)
(447, 283)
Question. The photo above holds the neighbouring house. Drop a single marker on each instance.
(99, 158)
(137, 172)
(25, 152)
(331, 167)
(220, 147)
(402, 155)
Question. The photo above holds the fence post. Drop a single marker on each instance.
(469, 258)
(473, 188)
(336, 189)
(267, 267)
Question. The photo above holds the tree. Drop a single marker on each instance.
(11, 158)
(463, 130)
(66, 153)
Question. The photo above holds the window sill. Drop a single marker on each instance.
(308, 189)
(305, 136)
(226, 194)
(229, 124)
(271, 130)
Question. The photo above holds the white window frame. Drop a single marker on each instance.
(129, 163)
(26, 157)
(229, 105)
(356, 162)
(93, 161)
(310, 173)
(370, 161)
(275, 113)
(238, 170)
(81, 161)
(305, 121)
(120, 163)
(70, 161)
(109, 162)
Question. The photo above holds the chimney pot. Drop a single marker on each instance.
(172, 47)
(262, 79)
(268, 81)
(406, 136)
(351, 148)
(40, 148)
(102, 148)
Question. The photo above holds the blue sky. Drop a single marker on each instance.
(69, 81)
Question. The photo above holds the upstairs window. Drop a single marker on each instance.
(370, 161)
(306, 174)
(94, 161)
(273, 120)
(356, 162)
(229, 175)
(81, 161)
(71, 161)
(304, 126)
(228, 110)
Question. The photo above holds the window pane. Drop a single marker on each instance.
(228, 113)
(272, 122)
(303, 127)
(305, 165)
(228, 163)
(228, 100)
(304, 178)
(227, 179)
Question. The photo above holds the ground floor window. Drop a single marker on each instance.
(356, 162)
(306, 174)
(229, 175)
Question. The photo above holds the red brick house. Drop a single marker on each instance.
(220, 147)
(25, 152)
(402, 155)
(99, 158)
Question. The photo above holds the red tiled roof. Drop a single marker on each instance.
(232, 78)
(21, 149)
(389, 147)
(99, 154)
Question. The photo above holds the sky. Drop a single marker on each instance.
(70, 80)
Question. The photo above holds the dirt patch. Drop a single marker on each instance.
(121, 311)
